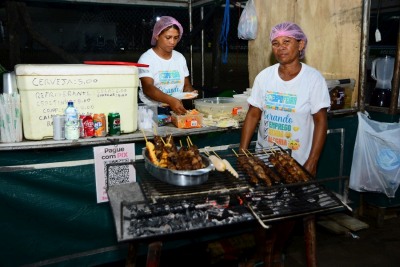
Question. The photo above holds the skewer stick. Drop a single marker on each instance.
(189, 141)
(216, 154)
(180, 142)
(244, 151)
(162, 139)
(144, 135)
(155, 129)
(266, 152)
(249, 152)
(169, 138)
(235, 152)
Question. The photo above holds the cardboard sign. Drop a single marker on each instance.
(113, 165)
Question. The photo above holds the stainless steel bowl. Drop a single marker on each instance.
(178, 177)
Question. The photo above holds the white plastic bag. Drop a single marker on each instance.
(376, 157)
(247, 28)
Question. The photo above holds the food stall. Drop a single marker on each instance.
(50, 186)
(49, 191)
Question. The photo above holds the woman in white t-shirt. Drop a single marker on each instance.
(167, 73)
(289, 100)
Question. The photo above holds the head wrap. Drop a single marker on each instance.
(289, 29)
(161, 24)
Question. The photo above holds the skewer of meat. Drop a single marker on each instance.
(270, 173)
(244, 163)
(296, 166)
(286, 175)
(151, 151)
(259, 169)
(291, 166)
(301, 174)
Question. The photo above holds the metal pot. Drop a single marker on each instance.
(178, 177)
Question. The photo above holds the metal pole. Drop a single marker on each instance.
(396, 78)
(191, 45)
(363, 57)
(202, 53)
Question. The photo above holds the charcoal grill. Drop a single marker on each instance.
(165, 209)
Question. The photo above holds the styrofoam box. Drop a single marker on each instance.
(45, 90)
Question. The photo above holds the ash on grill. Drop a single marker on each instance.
(290, 202)
(174, 215)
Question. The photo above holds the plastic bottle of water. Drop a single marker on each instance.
(71, 122)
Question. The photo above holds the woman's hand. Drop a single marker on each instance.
(319, 136)
(177, 107)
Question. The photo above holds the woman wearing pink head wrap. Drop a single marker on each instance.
(288, 103)
(167, 74)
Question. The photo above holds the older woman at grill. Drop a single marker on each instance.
(289, 100)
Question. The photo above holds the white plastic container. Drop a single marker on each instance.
(46, 89)
(222, 107)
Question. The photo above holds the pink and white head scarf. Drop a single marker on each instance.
(161, 24)
(289, 29)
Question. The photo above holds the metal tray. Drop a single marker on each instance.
(179, 177)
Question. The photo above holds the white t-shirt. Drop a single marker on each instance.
(168, 75)
(287, 108)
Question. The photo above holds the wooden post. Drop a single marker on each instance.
(153, 255)
(310, 240)
(132, 255)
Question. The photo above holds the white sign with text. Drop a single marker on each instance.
(113, 165)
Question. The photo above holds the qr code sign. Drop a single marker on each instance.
(113, 165)
(117, 174)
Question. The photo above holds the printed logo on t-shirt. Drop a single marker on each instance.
(169, 81)
(278, 121)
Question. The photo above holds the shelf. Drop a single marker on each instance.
(380, 109)
(124, 138)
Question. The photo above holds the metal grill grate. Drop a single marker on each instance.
(290, 202)
(217, 182)
(221, 200)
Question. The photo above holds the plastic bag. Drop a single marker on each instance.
(376, 157)
(247, 28)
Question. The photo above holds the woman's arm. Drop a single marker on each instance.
(157, 95)
(187, 87)
(252, 118)
(318, 141)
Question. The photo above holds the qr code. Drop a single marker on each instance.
(117, 174)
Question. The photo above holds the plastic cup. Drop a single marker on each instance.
(9, 83)
(147, 116)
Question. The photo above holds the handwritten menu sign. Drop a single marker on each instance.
(113, 165)
(48, 96)
(54, 102)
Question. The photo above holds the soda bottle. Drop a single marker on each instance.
(72, 130)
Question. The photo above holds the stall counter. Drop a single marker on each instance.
(48, 195)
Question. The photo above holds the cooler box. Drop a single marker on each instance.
(46, 89)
